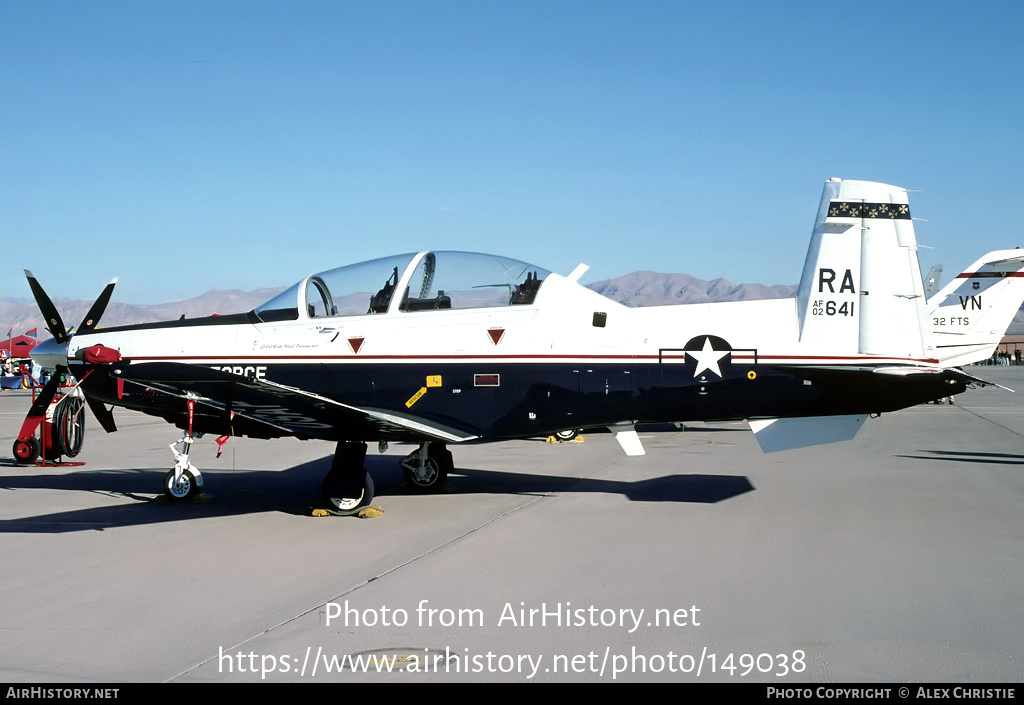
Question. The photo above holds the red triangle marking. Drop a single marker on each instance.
(355, 344)
(496, 334)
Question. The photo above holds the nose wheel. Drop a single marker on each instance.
(183, 483)
(180, 487)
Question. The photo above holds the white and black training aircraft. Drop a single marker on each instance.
(442, 348)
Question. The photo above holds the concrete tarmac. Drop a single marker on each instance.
(897, 556)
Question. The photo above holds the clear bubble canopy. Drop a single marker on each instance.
(425, 281)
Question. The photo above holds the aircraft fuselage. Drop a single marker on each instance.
(509, 373)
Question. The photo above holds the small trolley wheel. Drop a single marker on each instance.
(184, 489)
(26, 452)
(568, 434)
(347, 506)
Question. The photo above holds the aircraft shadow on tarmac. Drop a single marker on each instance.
(961, 456)
(296, 491)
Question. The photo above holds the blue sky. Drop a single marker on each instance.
(183, 146)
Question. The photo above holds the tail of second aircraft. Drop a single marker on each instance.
(861, 291)
(970, 315)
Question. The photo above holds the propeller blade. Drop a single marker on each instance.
(102, 414)
(98, 307)
(54, 323)
(45, 396)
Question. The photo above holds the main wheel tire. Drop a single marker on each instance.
(347, 506)
(184, 489)
(435, 470)
(26, 452)
(568, 434)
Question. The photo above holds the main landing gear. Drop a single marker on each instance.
(427, 468)
(347, 486)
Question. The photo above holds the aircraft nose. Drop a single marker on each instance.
(50, 354)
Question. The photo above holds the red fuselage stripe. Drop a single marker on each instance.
(567, 358)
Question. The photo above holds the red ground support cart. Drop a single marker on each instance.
(61, 425)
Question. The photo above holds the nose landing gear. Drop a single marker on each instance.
(183, 482)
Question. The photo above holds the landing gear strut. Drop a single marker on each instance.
(427, 468)
(183, 482)
(347, 486)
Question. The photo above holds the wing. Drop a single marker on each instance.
(283, 409)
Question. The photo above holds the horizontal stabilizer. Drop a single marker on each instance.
(625, 434)
(785, 434)
(907, 371)
(973, 381)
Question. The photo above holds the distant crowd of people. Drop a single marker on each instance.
(23, 370)
(1001, 357)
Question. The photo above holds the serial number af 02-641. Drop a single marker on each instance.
(442, 348)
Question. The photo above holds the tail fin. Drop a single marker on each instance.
(970, 315)
(861, 289)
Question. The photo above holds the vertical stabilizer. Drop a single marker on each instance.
(970, 315)
(861, 289)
